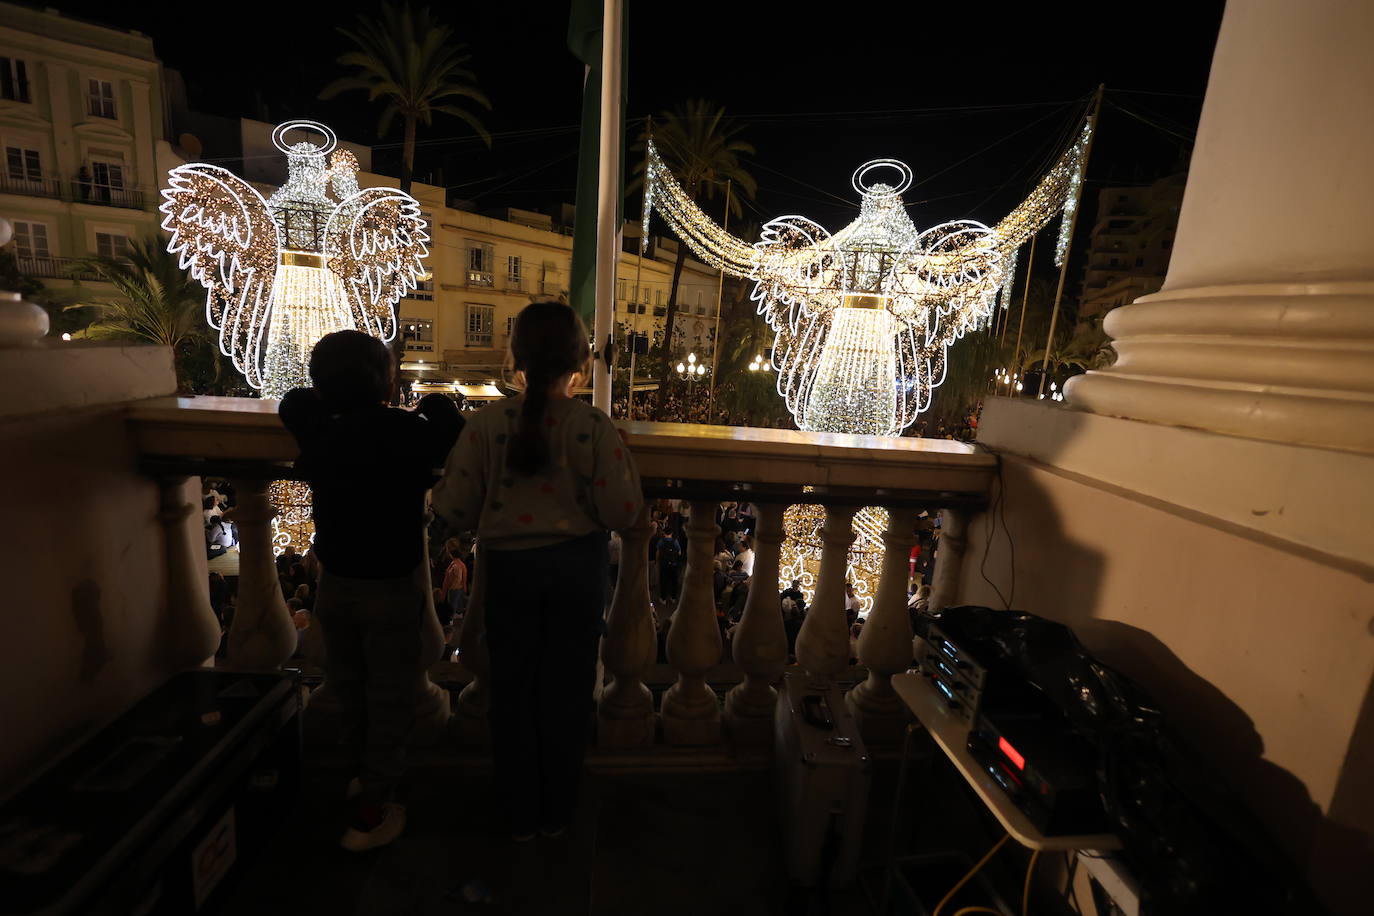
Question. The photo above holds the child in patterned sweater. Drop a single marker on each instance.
(543, 478)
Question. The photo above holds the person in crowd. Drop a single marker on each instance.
(369, 466)
(669, 567)
(795, 595)
(746, 555)
(851, 604)
(303, 595)
(455, 584)
(219, 537)
(300, 618)
(655, 535)
(855, 629)
(210, 509)
(738, 596)
(613, 548)
(285, 560)
(219, 592)
(791, 626)
(544, 477)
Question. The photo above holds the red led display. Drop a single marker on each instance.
(1005, 747)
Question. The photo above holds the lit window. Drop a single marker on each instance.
(480, 318)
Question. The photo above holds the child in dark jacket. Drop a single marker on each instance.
(369, 467)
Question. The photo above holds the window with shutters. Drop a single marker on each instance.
(31, 239)
(14, 80)
(480, 261)
(24, 164)
(112, 245)
(480, 318)
(100, 99)
(513, 267)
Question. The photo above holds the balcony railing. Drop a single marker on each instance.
(31, 187)
(52, 268)
(78, 191)
(243, 440)
(108, 195)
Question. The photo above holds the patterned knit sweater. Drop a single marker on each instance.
(589, 484)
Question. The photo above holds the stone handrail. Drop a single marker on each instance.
(243, 440)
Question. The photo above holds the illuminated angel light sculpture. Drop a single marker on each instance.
(863, 318)
(320, 255)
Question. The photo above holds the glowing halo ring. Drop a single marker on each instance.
(279, 134)
(872, 164)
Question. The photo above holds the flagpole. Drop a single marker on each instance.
(608, 199)
(1073, 224)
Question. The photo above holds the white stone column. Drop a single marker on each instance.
(625, 713)
(261, 634)
(190, 633)
(760, 641)
(1265, 325)
(885, 643)
(950, 548)
(475, 698)
(690, 712)
(823, 643)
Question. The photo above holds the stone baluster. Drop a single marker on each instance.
(625, 713)
(760, 642)
(475, 698)
(190, 633)
(261, 634)
(691, 714)
(949, 559)
(823, 643)
(885, 643)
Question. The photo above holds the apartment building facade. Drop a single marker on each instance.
(1131, 242)
(83, 129)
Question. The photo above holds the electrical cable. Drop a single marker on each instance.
(987, 544)
(939, 907)
(1025, 894)
(994, 143)
(969, 910)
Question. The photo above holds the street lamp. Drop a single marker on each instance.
(690, 370)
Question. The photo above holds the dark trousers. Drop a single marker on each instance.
(372, 634)
(544, 622)
(668, 581)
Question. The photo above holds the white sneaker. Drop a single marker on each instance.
(393, 822)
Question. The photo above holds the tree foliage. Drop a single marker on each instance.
(413, 63)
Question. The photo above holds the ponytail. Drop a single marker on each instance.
(547, 342)
(529, 447)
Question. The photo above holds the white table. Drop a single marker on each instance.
(951, 734)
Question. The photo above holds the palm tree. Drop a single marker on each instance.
(409, 59)
(154, 301)
(701, 147)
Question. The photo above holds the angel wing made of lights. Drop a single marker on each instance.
(375, 242)
(223, 233)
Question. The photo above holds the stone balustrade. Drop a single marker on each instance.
(702, 466)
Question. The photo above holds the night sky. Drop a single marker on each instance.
(977, 102)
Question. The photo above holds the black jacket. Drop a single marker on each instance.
(369, 469)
